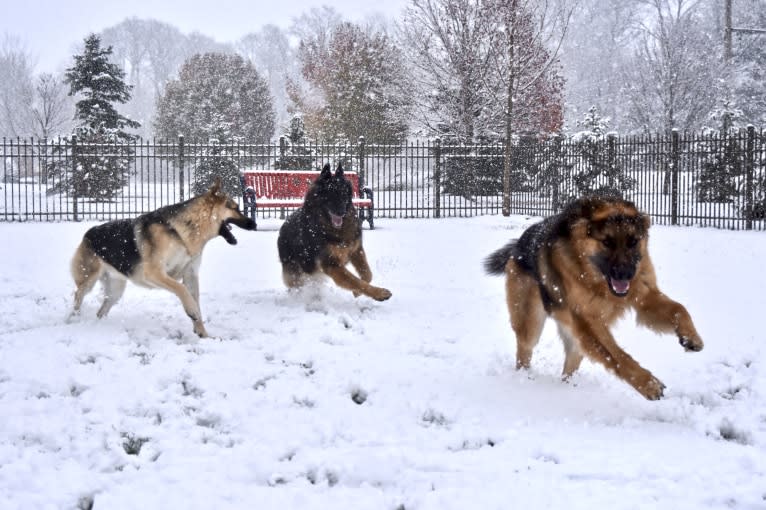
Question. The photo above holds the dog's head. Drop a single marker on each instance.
(331, 193)
(226, 211)
(612, 234)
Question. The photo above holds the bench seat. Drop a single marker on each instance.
(278, 189)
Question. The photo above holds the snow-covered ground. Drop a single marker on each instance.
(318, 400)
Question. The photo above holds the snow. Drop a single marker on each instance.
(315, 399)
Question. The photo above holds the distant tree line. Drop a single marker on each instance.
(444, 67)
(463, 70)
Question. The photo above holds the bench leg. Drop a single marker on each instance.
(368, 193)
(250, 212)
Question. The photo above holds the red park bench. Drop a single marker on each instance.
(280, 189)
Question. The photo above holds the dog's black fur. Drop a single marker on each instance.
(156, 249)
(307, 230)
(115, 241)
(324, 235)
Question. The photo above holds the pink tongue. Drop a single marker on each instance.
(620, 286)
(337, 221)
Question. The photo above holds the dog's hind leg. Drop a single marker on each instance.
(114, 286)
(525, 307)
(86, 268)
(292, 275)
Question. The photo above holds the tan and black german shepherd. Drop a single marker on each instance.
(324, 235)
(585, 267)
(157, 249)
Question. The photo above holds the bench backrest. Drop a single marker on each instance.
(272, 184)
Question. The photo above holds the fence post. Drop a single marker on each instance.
(75, 212)
(5, 179)
(360, 171)
(675, 159)
(555, 174)
(749, 166)
(181, 167)
(610, 159)
(282, 152)
(438, 177)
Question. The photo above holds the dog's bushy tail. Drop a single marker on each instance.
(496, 262)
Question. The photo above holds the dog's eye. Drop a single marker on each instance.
(632, 242)
(608, 242)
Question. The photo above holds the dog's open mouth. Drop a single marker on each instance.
(337, 221)
(225, 232)
(619, 287)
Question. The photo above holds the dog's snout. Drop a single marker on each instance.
(622, 272)
(243, 222)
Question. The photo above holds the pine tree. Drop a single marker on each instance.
(100, 83)
(599, 172)
(716, 181)
(102, 154)
(296, 155)
(217, 160)
(219, 100)
(219, 96)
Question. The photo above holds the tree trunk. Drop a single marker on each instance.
(508, 152)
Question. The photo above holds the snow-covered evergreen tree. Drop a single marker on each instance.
(101, 158)
(218, 159)
(218, 96)
(596, 169)
(99, 84)
(296, 154)
(723, 163)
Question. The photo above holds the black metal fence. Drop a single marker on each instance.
(681, 179)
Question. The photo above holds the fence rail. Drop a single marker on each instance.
(706, 179)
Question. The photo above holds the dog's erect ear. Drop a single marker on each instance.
(647, 222)
(339, 171)
(326, 172)
(215, 189)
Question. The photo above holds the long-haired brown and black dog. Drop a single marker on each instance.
(156, 249)
(585, 267)
(325, 234)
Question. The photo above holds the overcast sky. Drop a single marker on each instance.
(51, 29)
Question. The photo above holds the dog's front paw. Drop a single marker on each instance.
(650, 387)
(200, 330)
(380, 294)
(691, 343)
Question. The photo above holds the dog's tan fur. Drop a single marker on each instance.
(170, 243)
(582, 303)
